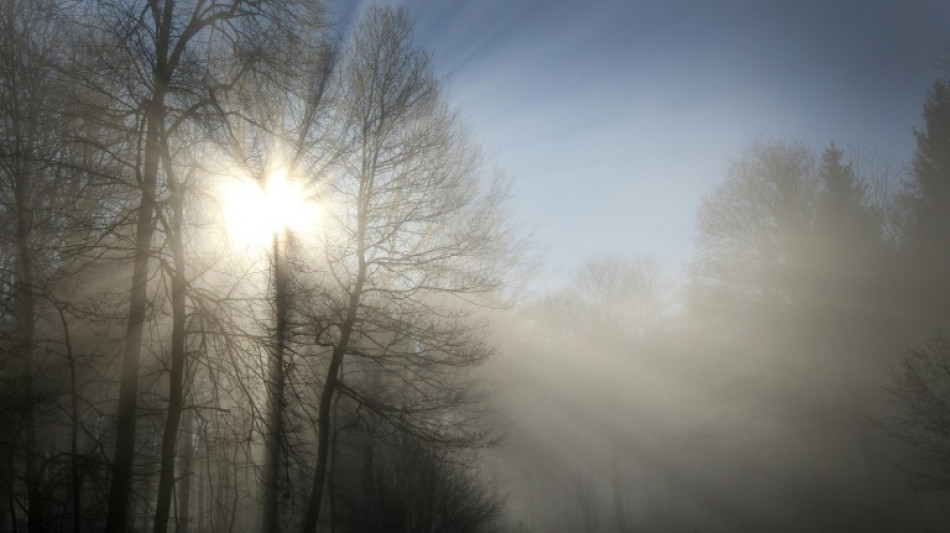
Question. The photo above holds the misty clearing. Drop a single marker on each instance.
(338, 266)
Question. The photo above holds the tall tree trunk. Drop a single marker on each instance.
(270, 522)
(223, 510)
(331, 481)
(35, 513)
(186, 445)
(166, 482)
(74, 425)
(326, 398)
(121, 483)
(203, 474)
(339, 350)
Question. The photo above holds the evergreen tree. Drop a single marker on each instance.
(926, 228)
(847, 229)
(842, 198)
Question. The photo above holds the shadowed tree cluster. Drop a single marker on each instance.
(156, 372)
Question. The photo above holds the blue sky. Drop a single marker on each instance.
(614, 118)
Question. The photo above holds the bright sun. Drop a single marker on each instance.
(252, 214)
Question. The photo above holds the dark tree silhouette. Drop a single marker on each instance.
(32, 204)
(849, 227)
(180, 59)
(415, 236)
(926, 227)
(920, 390)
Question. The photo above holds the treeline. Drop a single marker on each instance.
(159, 372)
(797, 381)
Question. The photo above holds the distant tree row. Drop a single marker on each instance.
(767, 397)
(831, 272)
(818, 256)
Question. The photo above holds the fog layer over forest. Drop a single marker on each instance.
(256, 275)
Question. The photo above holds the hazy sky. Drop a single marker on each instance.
(614, 118)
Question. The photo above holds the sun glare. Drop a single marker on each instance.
(252, 214)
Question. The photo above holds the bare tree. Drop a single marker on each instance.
(178, 61)
(283, 134)
(612, 293)
(922, 416)
(117, 177)
(754, 229)
(412, 235)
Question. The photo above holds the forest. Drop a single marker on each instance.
(257, 275)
